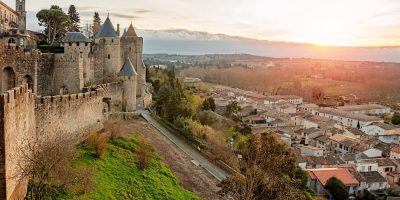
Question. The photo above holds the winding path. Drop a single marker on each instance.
(196, 157)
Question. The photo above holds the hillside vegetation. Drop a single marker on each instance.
(117, 176)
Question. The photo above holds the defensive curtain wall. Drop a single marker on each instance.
(25, 117)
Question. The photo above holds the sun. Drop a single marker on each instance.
(329, 32)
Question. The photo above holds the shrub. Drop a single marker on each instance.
(207, 117)
(98, 143)
(113, 128)
(396, 118)
(144, 153)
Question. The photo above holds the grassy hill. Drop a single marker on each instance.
(117, 177)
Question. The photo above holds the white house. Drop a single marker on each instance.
(386, 133)
(311, 151)
(314, 121)
(346, 118)
(285, 107)
(367, 109)
(344, 144)
(374, 181)
(293, 99)
(307, 107)
(367, 166)
(373, 153)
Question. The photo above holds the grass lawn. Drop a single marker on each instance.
(117, 177)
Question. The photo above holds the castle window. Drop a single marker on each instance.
(77, 44)
(109, 56)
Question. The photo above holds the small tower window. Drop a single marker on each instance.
(20, 7)
(109, 56)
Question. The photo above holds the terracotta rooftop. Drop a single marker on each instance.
(323, 175)
(396, 149)
(8, 7)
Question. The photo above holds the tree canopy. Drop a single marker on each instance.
(75, 19)
(55, 22)
(209, 104)
(96, 23)
(268, 171)
(396, 118)
(232, 109)
(337, 189)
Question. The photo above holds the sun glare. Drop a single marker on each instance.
(329, 32)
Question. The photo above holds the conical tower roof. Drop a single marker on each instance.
(107, 29)
(127, 69)
(130, 32)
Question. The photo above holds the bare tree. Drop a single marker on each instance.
(48, 164)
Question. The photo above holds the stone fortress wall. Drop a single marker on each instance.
(25, 116)
(47, 95)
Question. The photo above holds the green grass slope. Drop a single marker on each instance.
(117, 177)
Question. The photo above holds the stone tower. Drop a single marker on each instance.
(128, 76)
(132, 46)
(77, 44)
(108, 51)
(20, 8)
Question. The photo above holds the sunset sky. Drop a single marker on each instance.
(333, 22)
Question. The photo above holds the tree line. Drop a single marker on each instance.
(56, 23)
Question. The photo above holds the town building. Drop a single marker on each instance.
(366, 109)
(346, 118)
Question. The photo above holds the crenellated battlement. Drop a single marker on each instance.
(17, 95)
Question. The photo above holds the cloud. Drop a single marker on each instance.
(123, 16)
(139, 11)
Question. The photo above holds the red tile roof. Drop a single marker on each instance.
(343, 174)
(396, 149)
(8, 7)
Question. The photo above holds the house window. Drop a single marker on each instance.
(109, 56)
(77, 44)
(70, 44)
(369, 168)
(86, 44)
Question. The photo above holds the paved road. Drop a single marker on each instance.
(197, 158)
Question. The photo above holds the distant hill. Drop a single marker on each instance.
(180, 41)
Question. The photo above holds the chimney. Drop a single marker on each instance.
(117, 29)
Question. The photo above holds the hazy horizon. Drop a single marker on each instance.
(338, 23)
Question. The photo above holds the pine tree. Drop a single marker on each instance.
(96, 23)
(75, 19)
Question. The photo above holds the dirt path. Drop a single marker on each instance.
(191, 177)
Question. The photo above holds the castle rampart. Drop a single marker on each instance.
(25, 116)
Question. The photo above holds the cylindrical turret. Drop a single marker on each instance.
(108, 47)
(128, 76)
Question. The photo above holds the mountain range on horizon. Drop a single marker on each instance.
(181, 41)
(186, 42)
